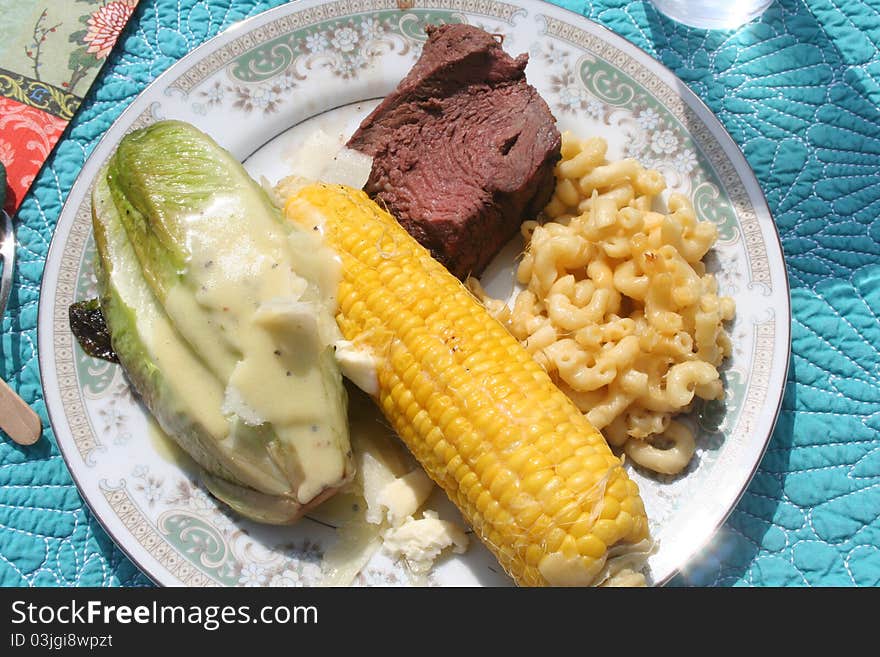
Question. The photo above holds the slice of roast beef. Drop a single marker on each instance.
(463, 150)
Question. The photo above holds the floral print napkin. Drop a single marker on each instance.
(50, 52)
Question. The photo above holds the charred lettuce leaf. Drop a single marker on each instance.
(90, 329)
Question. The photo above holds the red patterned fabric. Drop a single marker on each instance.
(27, 136)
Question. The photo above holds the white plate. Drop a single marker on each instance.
(263, 84)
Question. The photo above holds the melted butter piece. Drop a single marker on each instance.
(325, 157)
(359, 366)
(247, 304)
(405, 495)
(420, 542)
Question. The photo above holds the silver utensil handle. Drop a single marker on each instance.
(17, 419)
(7, 254)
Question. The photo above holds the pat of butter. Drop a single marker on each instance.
(375, 476)
(349, 167)
(358, 365)
(420, 542)
(314, 155)
(326, 158)
(405, 495)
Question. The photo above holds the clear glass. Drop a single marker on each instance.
(713, 14)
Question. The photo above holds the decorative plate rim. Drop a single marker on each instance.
(716, 129)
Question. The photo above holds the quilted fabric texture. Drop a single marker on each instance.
(798, 90)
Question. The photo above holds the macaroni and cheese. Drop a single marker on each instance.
(617, 305)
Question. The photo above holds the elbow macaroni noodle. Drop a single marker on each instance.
(618, 306)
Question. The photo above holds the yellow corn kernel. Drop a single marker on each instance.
(591, 546)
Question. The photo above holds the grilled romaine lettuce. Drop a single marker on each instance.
(223, 318)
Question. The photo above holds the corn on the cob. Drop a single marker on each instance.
(536, 481)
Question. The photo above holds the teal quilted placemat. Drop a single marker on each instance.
(798, 90)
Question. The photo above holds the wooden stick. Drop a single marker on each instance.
(17, 418)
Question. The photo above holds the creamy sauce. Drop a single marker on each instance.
(343, 508)
(165, 447)
(188, 389)
(191, 385)
(258, 303)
